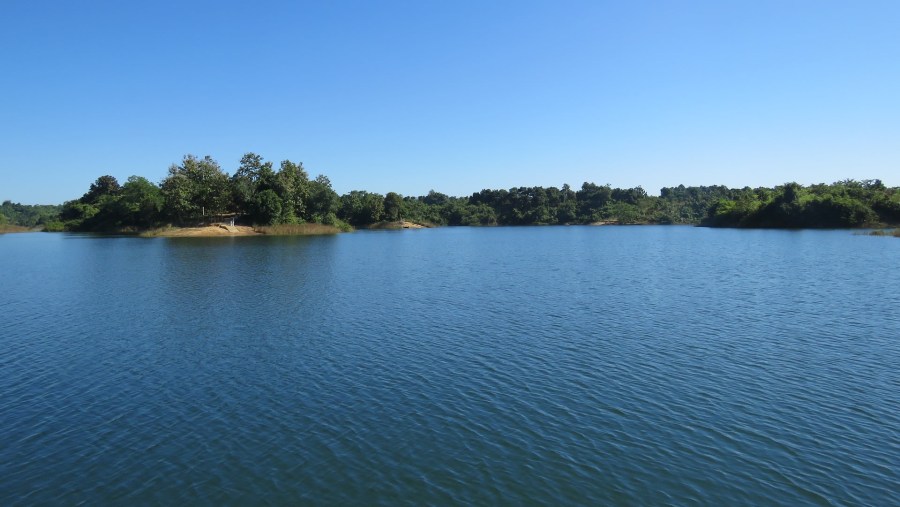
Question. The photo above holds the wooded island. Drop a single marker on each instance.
(198, 191)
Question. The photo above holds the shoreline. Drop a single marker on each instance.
(231, 231)
(209, 231)
(14, 229)
(395, 226)
(314, 229)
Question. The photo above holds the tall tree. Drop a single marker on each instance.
(323, 201)
(141, 202)
(105, 185)
(195, 189)
(246, 182)
(292, 186)
(393, 203)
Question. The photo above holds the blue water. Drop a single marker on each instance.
(547, 365)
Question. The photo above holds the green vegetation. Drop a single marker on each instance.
(17, 217)
(286, 201)
(301, 229)
(846, 203)
(895, 233)
(198, 191)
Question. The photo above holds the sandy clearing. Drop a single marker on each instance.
(208, 231)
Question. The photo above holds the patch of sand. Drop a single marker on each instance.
(412, 225)
(208, 231)
(14, 228)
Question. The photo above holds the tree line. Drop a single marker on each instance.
(27, 215)
(847, 203)
(198, 190)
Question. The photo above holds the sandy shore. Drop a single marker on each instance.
(208, 231)
(13, 229)
(393, 226)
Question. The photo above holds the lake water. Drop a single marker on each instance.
(467, 366)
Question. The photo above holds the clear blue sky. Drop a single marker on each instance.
(451, 95)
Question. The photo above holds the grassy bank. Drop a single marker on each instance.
(222, 230)
(13, 228)
(309, 229)
(895, 233)
(389, 226)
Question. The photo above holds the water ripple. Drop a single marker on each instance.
(586, 366)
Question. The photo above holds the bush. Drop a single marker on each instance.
(54, 226)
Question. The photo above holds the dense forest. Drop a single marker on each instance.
(28, 216)
(197, 191)
(846, 203)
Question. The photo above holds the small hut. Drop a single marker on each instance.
(224, 219)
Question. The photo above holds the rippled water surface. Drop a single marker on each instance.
(555, 365)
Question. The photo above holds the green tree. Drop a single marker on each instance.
(267, 207)
(177, 191)
(29, 215)
(74, 214)
(482, 214)
(195, 189)
(361, 208)
(393, 206)
(567, 212)
(436, 198)
(97, 209)
(141, 202)
(292, 186)
(104, 186)
(251, 175)
(323, 201)
(623, 212)
(592, 199)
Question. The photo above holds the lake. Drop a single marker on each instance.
(454, 366)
